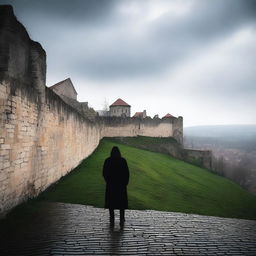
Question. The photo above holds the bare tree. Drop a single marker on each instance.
(105, 105)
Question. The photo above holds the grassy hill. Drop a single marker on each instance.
(158, 182)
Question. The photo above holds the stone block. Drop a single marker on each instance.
(10, 135)
(11, 169)
(12, 116)
(26, 159)
(4, 152)
(37, 184)
(3, 96)
(2, 140)
(9, 126)
(3, 176)
(23, 165)
(23, 128)
(10, 130)
(18, 161)
(5, 146)
(22, 154)
(2, 88)
(6, 165)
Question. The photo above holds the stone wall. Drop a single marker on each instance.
(38, 145)
(120, 127)
(20, 58)
(202, 158)
(81, 107)
(168, 145)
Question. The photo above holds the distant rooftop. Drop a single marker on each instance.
(141, 114)
(138, 114)
(168, 116)
(120, 102)
(62, 82)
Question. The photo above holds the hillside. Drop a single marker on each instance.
(158, 182)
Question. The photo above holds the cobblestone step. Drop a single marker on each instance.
(69, 229)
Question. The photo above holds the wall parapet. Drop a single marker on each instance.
(126, 126)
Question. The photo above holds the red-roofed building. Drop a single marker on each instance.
(120, 108)
(140, 114)
(168, 116)
(119, 102)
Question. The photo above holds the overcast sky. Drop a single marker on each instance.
(191, 58)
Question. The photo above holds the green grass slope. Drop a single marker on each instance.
(158, 182)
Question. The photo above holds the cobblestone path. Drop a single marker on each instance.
(70, 229)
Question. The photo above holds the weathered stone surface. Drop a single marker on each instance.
(68, 229)
(121, 127)
(40, 142)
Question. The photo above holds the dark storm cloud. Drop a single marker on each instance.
(71, 10)
(207, 19)
(169, 40)
(119, 53)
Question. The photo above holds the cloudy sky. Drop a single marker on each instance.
(191, 58)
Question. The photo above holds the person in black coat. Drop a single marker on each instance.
(116, 175)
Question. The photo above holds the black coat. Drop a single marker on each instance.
(116, 175)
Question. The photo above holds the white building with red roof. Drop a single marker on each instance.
(120, 108)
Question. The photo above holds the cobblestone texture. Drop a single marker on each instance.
(68, 229)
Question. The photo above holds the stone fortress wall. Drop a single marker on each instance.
(42, 137)
(130, 127)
